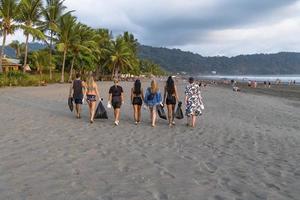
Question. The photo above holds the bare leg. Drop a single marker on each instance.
(135, 110)
(153, 117)
(117, 114)
(139, 113)
(90, 110)
(173, 115)
(170, 118)
(78, 110)
(93, 105)
(193, 121)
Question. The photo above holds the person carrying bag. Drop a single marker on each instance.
(152, 99)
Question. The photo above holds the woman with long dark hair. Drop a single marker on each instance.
(137, 99)
(170, 99)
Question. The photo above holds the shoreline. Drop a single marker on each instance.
(291, 92)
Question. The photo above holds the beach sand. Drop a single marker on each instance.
(246, 146)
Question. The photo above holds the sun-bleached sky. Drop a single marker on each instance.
(207, 27)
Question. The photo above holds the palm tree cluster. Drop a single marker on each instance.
(71, 44)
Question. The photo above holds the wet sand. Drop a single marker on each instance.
(246, 146)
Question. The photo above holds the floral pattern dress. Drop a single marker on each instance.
(194, 99)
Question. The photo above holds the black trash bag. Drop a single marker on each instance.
(161, 111)
(70, 103)
(178, 112)
(100, 112)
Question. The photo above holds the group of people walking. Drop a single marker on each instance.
(151, 98)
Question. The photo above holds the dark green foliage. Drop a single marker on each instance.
(175, 60)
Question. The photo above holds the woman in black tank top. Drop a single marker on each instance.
(170, 99)
(77, 91)
(137, 100)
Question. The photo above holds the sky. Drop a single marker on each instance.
(207, 27)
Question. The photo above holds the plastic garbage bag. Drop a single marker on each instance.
(178, 112)
(70, 103)
(161, 111)
(100, 112)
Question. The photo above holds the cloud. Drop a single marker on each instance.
(227, 27)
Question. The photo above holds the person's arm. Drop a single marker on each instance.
(131, 96)
(142, 91)
(83, 89)
(146, 97)
(186, 96)
(165, 94)
(110, 95)
(176, 94)
(159, 99)
(122, 96)
(97, 91)
(71, 90)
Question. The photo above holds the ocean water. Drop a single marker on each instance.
(258, 78)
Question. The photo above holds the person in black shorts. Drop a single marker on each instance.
(77, 89)
(137, 99)
(170, 98)
(116, 99)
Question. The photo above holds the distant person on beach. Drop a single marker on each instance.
(269, 84)
(152, 99)
(137, 99)
(170, 99)
(193, 102)
(92, 94)
(116, 99)
(265, 84)
(77, 90)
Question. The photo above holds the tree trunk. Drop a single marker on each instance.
(26, 53)
(2, 50)
(63, 67)
(40, 69)
(116, 72)
(50, 56)
(18, 52)
(112, 74)
(71, 70)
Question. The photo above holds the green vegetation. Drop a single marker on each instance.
(175, 60)
(69, 45)
(22, 79)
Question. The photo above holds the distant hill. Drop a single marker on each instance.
(34, 46)
(175, 60)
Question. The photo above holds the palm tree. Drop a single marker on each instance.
(121, 56)
(81, 43)
(103, 40)
(8, 13)
(65, 34)
(30, 14)
(132, 42)
(40, 60)
(16, 45)
(51, 13)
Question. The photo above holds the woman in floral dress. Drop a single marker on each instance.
(193, 101)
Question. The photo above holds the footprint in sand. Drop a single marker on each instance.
(159, 195)
(273, 186)
(210, 167)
